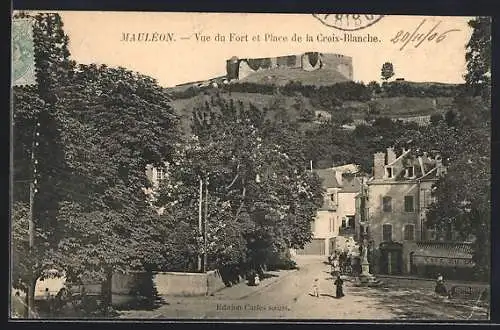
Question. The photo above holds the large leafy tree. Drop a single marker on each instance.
(115, 123)
(260, 200)
(98, 128)
(36, 151)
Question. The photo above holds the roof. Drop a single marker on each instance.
(352, 168)
(328, 178)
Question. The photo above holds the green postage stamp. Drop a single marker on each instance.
(23, 60)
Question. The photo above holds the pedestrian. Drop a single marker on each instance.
(440, 288)
(339, 293)
(256, 280)
(316, 288)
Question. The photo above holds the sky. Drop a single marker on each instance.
(96, 37)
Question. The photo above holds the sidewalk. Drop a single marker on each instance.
(240, 290)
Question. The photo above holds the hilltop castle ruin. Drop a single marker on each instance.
(238, 69)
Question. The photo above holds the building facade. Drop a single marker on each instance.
(391, 212)
(333, 226)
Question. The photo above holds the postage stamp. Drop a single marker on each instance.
(251, 166)
(23, 60)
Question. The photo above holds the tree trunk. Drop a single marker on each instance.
(31, 298)
(106, 289)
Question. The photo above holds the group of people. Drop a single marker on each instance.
(342, 263)
(339, 292)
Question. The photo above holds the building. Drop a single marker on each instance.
(391, 213)
(238, 69)
(155, 175)
(333, 227)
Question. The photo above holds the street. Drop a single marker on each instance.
(288, 296)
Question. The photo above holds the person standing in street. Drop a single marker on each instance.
(315, 292)
(339, 292)
(440, 288)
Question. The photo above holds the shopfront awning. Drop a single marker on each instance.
(443, 254)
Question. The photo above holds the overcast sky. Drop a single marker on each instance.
(95, 37)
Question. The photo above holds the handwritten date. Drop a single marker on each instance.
(420, 35)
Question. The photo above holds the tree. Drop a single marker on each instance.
(261, 201)
(114, 229)
(374, 88)
(99, 127)
(36, 132)
(304, 113)
(478, 57)
(387, 71)
(436, 118)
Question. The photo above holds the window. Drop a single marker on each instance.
(387, 233)
(387, 204)
(409, 207)
(389, 172)
(409, 232)
(410, 172)
(332, 197)
(350, 221)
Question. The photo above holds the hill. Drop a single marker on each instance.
(401, 107)
(283, 76)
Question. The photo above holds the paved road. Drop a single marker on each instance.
(288, 297)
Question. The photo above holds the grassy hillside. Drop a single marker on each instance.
(393, 107)
(282, 76)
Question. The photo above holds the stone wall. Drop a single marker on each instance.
(188, 284)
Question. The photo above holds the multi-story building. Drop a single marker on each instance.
(333, 227)
(391, 213)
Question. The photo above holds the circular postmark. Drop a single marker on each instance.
(348, 22)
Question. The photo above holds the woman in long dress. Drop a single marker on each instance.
(339, 292)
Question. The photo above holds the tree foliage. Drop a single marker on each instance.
(99, 127)
(260, 200)
(387, 71)
(478, 56)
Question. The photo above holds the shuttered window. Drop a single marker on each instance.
(387, 233)
(409, 232)
(409, 204)
(387, 204)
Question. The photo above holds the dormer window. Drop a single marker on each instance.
(388, 172)
(410, 172)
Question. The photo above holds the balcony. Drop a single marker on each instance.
(347, 231)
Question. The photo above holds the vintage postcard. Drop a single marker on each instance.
(236, 166)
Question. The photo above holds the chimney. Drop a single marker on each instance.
(378, 165)
(391, 155)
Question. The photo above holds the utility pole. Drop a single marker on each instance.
(31, 223)
(205, 257)
(200, 219)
